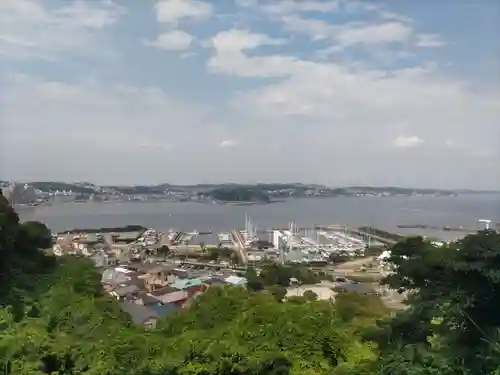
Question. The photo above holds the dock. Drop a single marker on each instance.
(381, 236)
(434, 227)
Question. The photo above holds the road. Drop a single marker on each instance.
(213, 265)
(239, 246)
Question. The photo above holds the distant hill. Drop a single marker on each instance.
(285, 189)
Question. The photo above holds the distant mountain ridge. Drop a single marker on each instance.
(90, 188)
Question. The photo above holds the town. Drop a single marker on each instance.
(155, 273)
(35, 193)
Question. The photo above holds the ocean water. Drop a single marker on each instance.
(384, 213)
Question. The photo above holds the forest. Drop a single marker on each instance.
(239, 194)
(55, 319)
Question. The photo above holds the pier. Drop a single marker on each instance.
(434, 227)
(381, 236)
(177, 239)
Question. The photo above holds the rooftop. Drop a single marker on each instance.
(186, 283)
(173, 296)
(235, 280)
(138, 313)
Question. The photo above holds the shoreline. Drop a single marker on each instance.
(235, 203)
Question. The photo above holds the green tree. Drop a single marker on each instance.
(310, 295)
(278, 292)
(276, 275)
(213, 254)
(254, 282)
(453, 293)
(35, 235)
(163, 250)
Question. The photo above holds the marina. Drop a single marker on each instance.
(289, 245)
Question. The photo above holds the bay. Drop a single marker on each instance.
(380, 212)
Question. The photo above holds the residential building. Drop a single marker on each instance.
(191, 286)
(102, 259)
(146, 316)
(127, 292)
(179, 298)
(236, 280)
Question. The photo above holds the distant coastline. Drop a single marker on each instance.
(44, 193)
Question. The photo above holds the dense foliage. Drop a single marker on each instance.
(452, 325)
(275, 274)
(54, 319)
(239, 194)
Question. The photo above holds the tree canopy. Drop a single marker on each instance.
(452, 323)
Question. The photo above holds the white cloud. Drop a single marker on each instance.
(429, 40)
(450, 143)
(173, 11)
(28, 30)
(229, 46)
(228, 143)
(176, 40)
(350, 105)
(292, 6)
(316, 29)
(349, 34)
(237, 40)
(395, 16)
(407, 141)
(112, 127)
(373, 34)
(299, 110)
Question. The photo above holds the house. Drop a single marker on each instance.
(147, 300)
(214, 281)
(158, 277)
(236, 280)
(103, 260)
(120, 276)
(146, 316)
(181, 273)
(125, 292)
(191, 286)
(177, 298)
(117, 275)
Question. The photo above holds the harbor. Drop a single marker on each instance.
(240, 246)
(333, 255)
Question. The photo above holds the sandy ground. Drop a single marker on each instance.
(354, 264)
(324, 292)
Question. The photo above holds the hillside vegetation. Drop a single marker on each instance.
(54, 319)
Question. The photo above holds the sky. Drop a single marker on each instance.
(333, 92)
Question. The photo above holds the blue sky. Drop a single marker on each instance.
(336, 92)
